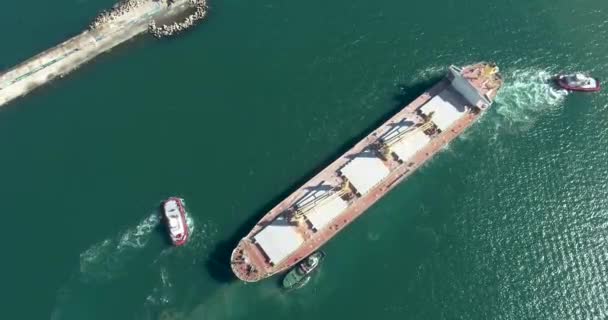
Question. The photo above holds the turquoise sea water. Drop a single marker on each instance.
(509, 222)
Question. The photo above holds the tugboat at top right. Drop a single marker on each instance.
(578, 82)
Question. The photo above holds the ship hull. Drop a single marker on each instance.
(250, 262)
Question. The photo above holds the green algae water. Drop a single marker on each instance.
(509, 222)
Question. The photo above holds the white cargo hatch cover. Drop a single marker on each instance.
(410, 144)
(278, 240)
(323, 213)
(364, 172)
(445, 112)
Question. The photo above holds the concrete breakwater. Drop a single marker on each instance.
(117, 12)
(110, 28)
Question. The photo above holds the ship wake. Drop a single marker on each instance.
(525, 95)
(132, 254)
(107, 258)
(193, 253)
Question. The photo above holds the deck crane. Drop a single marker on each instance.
(385, 144)
(300, 211)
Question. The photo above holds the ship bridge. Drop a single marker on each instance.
(476, 84)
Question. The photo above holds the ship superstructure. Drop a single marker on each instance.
(332, 199)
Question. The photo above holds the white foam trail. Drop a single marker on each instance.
(190, 224)
(138, 237)
(106, 258)
(111, 258)
(96, 261)
(93, 253)
(525, 95)
(196, 250)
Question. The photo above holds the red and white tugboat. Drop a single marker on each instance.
(578, 82)
(174, 215)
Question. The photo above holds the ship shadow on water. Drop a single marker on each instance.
(161, 227)
(218, 264)
(407, 93)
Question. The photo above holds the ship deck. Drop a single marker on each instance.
(251, 263)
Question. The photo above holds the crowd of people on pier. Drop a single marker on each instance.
(199, 13)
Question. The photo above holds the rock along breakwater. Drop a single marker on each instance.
(200, 11)
(110, 28)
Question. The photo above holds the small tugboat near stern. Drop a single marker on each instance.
(578, 82)
(299, 276)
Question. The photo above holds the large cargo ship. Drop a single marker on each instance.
(336, 196)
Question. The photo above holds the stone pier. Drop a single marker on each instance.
(111, 28)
